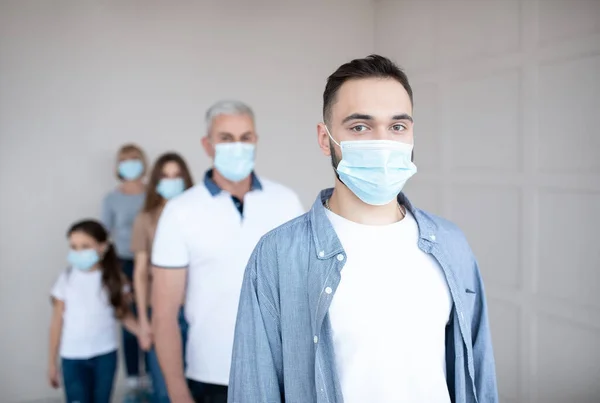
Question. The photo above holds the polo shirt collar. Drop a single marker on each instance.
(214, 189)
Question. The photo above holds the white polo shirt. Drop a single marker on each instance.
(204, 231)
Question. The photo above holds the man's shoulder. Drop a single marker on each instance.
(295, 227)
(288, 237)
(276, 189)
(451, 240)
(190, 197)
(436, 222)
(283, 249)
(442, 230)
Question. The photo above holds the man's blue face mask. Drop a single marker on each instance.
(235, 161)
(375, 170)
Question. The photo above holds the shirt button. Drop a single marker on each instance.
(328, 290)
(432, 237)
(316, 339)
(322, 253)
(340, 257)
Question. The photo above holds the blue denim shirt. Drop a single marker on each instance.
(283, 348)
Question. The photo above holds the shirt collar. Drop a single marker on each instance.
(326, 241)
(214, 189)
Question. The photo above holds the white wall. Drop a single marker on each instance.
(78, 79)
(507, 98)
(506, 92)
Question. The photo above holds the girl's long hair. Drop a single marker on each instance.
(153, 199)
(113, 279)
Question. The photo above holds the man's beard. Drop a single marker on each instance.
(335, 161)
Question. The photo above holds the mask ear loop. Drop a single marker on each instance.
(330, 136)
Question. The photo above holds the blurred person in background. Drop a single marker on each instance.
(88, 299)
(203, 241)
(119, 209)
(169, 178)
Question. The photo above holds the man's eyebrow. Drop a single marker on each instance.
(357, 116)
(403, 116)
(362, 116)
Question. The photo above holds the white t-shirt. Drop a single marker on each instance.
(388, 316)
(89, 323)
(207, 234)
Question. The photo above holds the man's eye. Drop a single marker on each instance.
(399, 127)
(359, 128)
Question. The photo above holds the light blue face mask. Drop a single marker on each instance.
(375, 170)
(170, 187)
(131, 169)
(83, 259)
(235, 161)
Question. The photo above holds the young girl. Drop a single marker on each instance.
(87, 300)
(169, 178)
(119, 210)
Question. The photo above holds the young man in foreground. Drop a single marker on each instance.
(365, 298)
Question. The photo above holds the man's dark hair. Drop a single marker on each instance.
(373, 66)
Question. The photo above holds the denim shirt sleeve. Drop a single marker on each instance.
(257, 369)
(483, 355)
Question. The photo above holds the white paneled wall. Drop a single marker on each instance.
(507, 98)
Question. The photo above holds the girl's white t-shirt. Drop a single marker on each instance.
(89, 323)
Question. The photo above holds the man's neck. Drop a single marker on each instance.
(345, 204)
(237, 189)
(132, 187)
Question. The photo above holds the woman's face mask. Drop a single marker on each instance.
(169, 188)
(131, 169)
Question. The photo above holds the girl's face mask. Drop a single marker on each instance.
(83, 259)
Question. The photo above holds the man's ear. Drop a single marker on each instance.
(323, 139)
(209, 149)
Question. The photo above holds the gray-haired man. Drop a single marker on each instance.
(203, 242)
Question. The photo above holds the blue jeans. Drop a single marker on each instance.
(158, 381)
(90, 380)
(131, 348)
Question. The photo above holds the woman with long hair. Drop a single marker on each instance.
(88, 299)
(169, 178)
(119, 209)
